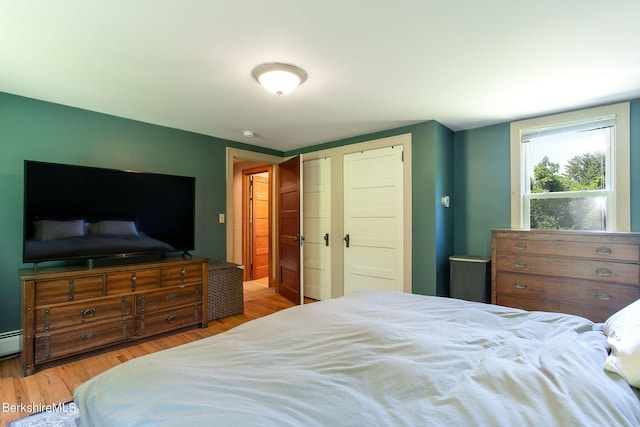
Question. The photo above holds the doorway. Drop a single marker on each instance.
(256, 223)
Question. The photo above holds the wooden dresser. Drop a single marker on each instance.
(68, 311)
(590, 274)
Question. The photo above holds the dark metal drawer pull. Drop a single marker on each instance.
(134, 279)
(183, 272)
(520, 285)
(71, 285)
(89, 335)
(604, 251)
(604, 272)
(520, 246)
(520, 264)
(87, 313)
(171, 296)
(603, 296)
(46, 319)
(171, 318)
(143, 304)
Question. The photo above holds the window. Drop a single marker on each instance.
(571, 171)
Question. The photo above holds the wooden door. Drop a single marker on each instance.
(289, 226)
(374, 220)
(259, 227)
(317, 225)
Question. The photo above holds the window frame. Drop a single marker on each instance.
(620, 218)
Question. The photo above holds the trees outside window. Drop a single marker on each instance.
(584, 172)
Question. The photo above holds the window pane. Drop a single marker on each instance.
(568, 162)
(586, 213)
(552, 136)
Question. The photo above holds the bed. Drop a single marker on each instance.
(377, 358)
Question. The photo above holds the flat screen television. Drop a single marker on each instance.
(80, 212)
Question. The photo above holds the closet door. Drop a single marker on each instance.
(373, 220)
(318, 239)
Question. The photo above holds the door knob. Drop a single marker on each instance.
(346, 240)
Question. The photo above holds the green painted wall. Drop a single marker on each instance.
(423, 229)
(37, 130)
(444, 186)
(482, 187)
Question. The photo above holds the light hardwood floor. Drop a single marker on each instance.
(55, 385)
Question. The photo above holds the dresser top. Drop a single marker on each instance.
(574, 234)
(31, 273)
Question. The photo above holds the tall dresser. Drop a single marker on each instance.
(69, 311)
(590, 274)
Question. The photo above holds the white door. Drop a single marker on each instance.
(373, 220)
(317, 225)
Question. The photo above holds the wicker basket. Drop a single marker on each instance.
(225, 290)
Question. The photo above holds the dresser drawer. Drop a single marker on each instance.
(593, 250)
(80, 339)
(595, 314)
(54, 317)
(166, 320)
(132, 281)
(608, 297)
(181, 275)
(601, 271)
(149, 302)
(69, 289)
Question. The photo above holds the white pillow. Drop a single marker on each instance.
(623, 336)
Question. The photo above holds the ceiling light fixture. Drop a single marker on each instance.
(278, 77)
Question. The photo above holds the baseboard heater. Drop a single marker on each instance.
(10, 343)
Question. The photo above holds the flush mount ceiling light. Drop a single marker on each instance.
(279, 78)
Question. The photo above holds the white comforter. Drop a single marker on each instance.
(374, 359)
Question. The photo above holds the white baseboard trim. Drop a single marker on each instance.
(10, 342)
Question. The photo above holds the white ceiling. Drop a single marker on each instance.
(372, 64)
